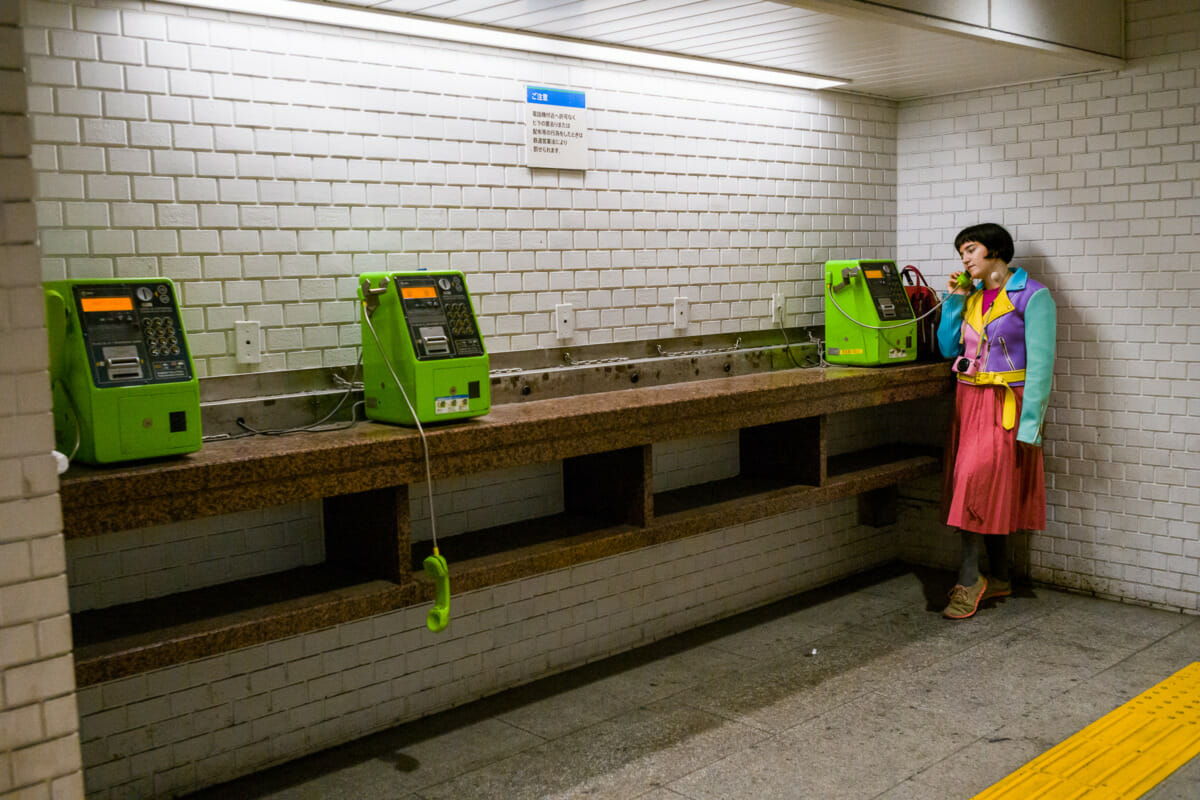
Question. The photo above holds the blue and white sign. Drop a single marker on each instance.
(556, 128)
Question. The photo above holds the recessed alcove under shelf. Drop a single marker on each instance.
(137, 637)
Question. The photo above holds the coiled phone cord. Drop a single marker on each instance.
(435, 565)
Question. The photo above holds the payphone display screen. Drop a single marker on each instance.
(438, 313)
(887, 291)
(133, 333)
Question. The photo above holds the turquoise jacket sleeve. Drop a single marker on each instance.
(1040, 331)
(949, 332)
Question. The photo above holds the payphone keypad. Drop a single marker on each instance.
(462, 322)
(160, 335)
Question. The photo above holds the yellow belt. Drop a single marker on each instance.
(1000, 379)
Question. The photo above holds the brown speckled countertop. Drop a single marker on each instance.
(259, 472)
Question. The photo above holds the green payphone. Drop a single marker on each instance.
(868, 318)
(419, 328)
(124, 386)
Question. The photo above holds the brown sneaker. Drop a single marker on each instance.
(996, 588)
(964, 600)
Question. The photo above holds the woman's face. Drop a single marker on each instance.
(976, 262)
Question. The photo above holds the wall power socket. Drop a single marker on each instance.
(247, 338)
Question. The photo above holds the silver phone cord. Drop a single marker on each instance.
(78, 426)
(829, 291)
(424, 441)
(787, 346)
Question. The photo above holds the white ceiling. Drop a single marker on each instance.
(884, 54)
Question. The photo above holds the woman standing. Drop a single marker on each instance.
(998, 325)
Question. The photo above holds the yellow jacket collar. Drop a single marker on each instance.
(1000, 306)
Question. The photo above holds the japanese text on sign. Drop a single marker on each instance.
(556, 128)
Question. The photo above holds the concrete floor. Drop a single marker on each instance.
(896, 703)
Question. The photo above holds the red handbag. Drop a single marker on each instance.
(924, 304)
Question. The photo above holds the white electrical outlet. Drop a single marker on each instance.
(679, 317)
(777, 307)
(247, 342)
(564, 320)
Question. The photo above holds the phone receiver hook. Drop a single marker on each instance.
(371, 294)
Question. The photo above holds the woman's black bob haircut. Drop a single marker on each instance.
(999, 242)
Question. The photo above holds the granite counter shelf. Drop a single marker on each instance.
(362, 474)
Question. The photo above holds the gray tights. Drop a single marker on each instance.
(997, 554)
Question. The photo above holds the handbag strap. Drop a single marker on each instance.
(914, 276)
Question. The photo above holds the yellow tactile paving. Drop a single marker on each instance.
(1122, 755)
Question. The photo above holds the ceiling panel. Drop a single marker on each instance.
(879, 55)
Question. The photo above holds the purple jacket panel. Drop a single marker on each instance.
(1004, 348)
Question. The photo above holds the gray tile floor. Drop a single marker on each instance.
(858, 690)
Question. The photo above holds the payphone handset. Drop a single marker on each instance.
(420, 328)
(124, 386)
(869, 320)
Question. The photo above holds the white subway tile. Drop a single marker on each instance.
(119, 105)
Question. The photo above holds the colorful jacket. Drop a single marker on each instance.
(1014, 342)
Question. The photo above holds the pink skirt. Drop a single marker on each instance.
(992, 484)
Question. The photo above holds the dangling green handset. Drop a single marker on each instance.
(437, 569)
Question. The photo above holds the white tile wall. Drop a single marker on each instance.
(687, 462)
(920, 422)
(483, 500)
(263, 172)
(39, 727)
(140, 564)
(1097, 178)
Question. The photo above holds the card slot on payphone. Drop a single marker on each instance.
(434, 341)
(123, 363)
